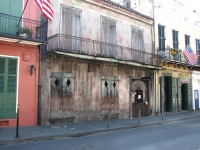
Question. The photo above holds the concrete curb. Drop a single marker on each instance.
(90, 132)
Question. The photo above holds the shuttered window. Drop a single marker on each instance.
(108, 33)
(175, 39)
(187, 40)
(71, 21)
(70, 26)
(8, 79)
(137, 40)
(198, 50)
(161, 36)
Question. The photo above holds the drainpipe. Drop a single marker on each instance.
(39, 90)
(155, 71)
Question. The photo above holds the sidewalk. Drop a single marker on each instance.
(35, 133)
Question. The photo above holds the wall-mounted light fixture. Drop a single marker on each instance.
(32, 69)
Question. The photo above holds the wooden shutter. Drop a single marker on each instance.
(108, 35)
(189, 95)
(71, 26)
(137, 40)
(162, 91)
(173, 95)
(56, 95)
(179, 94)
(110, 92)
(198, 50)
(10, 7)
(114, 93)
(68, 92)
(8, 79)
(161, 36)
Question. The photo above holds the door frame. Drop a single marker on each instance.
(131, 78)
(17, 76)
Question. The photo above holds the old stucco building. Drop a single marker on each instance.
(99, 58)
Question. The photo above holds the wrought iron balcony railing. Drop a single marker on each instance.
(66, 43)
(26, 29)
(170, 54)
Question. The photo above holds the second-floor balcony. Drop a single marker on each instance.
(77, 45)
(22, 30)
(175, 56)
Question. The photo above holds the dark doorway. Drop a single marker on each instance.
(184, 96)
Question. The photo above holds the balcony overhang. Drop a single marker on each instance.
(107, 59)
(179, 64)
(20, 40)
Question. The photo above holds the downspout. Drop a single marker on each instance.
(39, 88)
(155, 71)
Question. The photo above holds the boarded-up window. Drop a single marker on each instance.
(108, 35)
(62, 95)
(110, 98)
(70, 26)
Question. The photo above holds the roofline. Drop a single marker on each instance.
(128, 9)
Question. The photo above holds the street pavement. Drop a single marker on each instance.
(52, 131)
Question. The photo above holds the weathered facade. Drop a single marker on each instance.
(99, 58)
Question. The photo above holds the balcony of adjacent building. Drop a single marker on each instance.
(22, 30)
(177, 58)
(96, 50)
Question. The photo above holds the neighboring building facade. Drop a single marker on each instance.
(176, 27)
(19, 61)
(99, 59)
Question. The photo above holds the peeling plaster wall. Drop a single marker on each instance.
(88, 86)
(91, 22)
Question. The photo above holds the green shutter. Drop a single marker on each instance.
(11, 7)
(162, 92)
(189, 95)
(173, 98)
(8, 79)
(14, 8)
(179, 94)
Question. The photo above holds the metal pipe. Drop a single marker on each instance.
(17, 125)
(22, 12)
(138, 115)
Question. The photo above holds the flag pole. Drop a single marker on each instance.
(22, 12)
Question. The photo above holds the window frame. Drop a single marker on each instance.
(187, 40)
(17, 76)
(161, 38)
(175, 40)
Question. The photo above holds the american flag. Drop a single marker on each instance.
(46, 8)
(191, 56)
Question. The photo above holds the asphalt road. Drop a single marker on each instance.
(180, 135)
